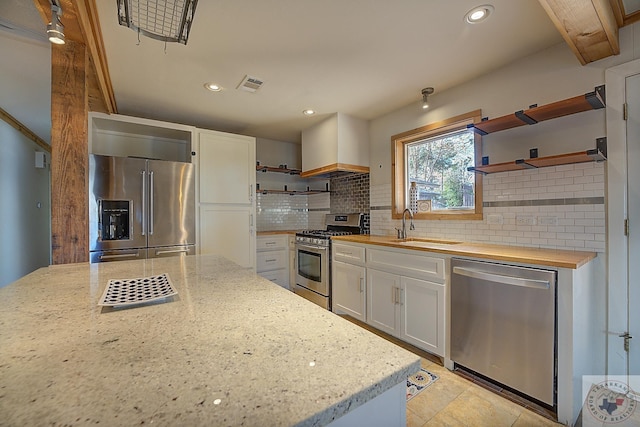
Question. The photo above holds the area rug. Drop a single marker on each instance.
(419, 381)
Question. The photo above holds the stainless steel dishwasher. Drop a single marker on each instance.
(503, 325)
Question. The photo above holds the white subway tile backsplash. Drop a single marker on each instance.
(572, 194)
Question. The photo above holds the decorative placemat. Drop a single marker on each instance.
(419, 381)
(122, 292)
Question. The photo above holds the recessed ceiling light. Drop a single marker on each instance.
(213, 87)
(308, 112)
(478, 14)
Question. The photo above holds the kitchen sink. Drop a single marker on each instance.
(416, 241)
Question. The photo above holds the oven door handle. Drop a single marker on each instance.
(311, 248)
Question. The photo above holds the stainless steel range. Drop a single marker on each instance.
(313, 255)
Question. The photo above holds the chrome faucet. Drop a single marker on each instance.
(402, 234)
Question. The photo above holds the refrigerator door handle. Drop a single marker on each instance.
(144, 200)
(172, 251)
(118, 256)
(151, 219)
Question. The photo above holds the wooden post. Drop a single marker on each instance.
(69, 153)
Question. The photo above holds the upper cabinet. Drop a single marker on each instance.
(336, 145)
(226, 168)
(125, 136)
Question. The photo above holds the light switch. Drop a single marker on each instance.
(41, 160)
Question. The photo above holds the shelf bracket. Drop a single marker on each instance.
(599, 153)
(597, 98)
(524, 164)
(523, 117)
(476, 130)
(473, 169)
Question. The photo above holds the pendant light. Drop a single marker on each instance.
(425, 97)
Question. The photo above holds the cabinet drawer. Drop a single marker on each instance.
(278, 277)
(265, 243)
(407, 263)
(348, 253)
(272, 260)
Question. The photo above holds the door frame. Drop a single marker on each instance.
(617, 254)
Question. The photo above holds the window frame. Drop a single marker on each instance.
(399, 190)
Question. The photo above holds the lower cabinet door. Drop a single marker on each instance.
(383, 297)
(348, 290)
(423, 314)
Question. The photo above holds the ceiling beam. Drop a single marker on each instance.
(24, 130)
(589, 27)
(81, 25)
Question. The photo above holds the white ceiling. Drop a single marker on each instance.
(360, 57)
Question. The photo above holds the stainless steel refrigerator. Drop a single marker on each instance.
(140, 208)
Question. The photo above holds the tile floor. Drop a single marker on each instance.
(456, 401)
(459, 400)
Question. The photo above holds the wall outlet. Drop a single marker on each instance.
(525, 220)
(495, 219)
(548, 220)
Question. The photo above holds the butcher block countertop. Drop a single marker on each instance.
(548, 257)
(230, 349)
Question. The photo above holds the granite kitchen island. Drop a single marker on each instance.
(230, 349)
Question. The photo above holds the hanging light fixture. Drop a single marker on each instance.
(425, 95)
(55, 29)
(165, 20)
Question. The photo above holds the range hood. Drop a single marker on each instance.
(336, 146)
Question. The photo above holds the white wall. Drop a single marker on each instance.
(25, 232)
(547, 76)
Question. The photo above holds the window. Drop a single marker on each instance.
(436, 157)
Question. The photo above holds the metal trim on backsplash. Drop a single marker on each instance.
(536, 202)
(546, 202)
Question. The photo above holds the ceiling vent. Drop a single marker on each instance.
(250, 84)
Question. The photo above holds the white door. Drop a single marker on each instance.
(227, 168)
(423, 314)
(228, 231)
(347, 290)
(383, 295)
(633, 200)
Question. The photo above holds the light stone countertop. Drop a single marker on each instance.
(230, 349)
(526, 255)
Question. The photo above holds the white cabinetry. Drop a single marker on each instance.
(273, 259)
(125, 136)
(226, 196)
(398, 291)
(348, 281)
(423, 316)
(408, 308)
(406, 296)
(383, 297)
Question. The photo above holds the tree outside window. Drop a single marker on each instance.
(439, 168)
(436, 158)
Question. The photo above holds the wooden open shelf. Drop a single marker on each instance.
(260, 168)
(279, 170)
(597, 154)
(589, 101)
(291, 192)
